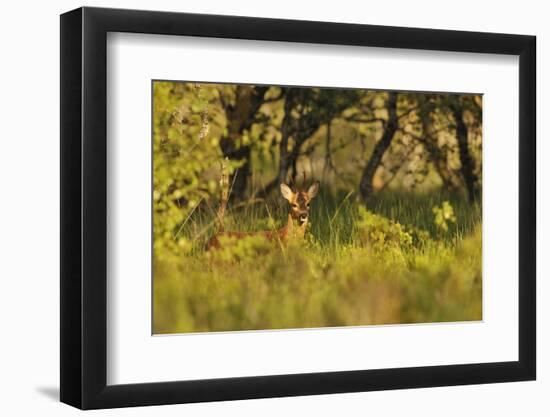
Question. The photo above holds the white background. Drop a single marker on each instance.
(134, 356)
(29, 222)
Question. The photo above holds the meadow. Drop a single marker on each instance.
(410, 258)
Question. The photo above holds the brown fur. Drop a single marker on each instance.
(296, 224)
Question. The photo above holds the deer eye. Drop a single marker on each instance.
(294, 205)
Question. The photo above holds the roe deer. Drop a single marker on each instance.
(298, 216)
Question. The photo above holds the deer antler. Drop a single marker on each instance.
(291, 182)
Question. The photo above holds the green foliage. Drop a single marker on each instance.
(185, 147)
(416, 209)
(380, 233)
(413, 257)
(444, 215)
(236, 250)
(356, 268)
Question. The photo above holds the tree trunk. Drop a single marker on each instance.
(240, 117)
(466, 162)
(284, 155)
(391, 125)
(437, 156)
(297, 127)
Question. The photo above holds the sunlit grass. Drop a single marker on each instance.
(390, 265)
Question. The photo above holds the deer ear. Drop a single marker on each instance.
(313, 190)
(286, 191)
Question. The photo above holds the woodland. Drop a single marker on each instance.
(394, 234)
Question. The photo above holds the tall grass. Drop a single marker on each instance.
(393, 264)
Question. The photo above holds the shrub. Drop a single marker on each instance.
(383, 273)
(443, 216)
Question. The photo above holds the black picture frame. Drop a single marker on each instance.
(84, 207)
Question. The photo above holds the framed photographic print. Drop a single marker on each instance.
(257, 208)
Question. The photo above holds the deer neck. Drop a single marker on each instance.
(294, 228)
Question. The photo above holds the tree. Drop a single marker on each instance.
(183, 150)
(429, 139)
(306, 110)
(390, 128)
(241, 112)
(466, 161)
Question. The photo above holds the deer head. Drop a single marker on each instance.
(299, 201)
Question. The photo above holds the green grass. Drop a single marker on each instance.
(393, 264)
